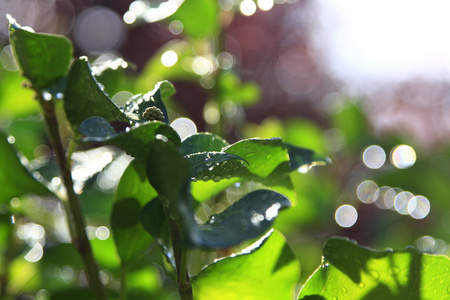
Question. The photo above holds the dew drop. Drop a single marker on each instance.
(361, 285)
(205, 178)
(344, 290)
(375, 275)
(335, 298)
(162, 138)
(396, 270)
(217, 178)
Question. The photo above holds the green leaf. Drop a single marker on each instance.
(199, 18)
(205, 161)
(266, 161)
(43, 58)
(153, 218)
(246, 219)
(15, 180)
(136, 142)
(168, 172)
(84, 97)
(136, 106)
(300, 157)
(132, 193)
(202, 142)
(353, 272)
(268, 272)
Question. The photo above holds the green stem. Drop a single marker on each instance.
(79, 236)
(123, 281)
(180, 254)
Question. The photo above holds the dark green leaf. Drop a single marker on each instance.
(299, 157)
(200, 18)
(132, 193)
(268, 272)
(202, 142)
(352, 272)
(136, 142)
(246, 219)
(202, 162)
(136, 106)
(153, 218)
(43, 58)
(21, 182)
(168, 172)
(84, 97)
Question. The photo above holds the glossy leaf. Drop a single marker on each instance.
(353, 272)
(132, 193)
(43, 58)
(153, 219)
(202, 142)
(205, 161)
(299, 157)
(264, 161)
(270, 271)
(246, 219)
(136, 106)
(22, 182)
(84, 97)
(135, 142)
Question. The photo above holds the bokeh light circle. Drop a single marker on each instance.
(98, 29)
(184, 127)
(403, 156)
(401, 202)
(346, 216)
(419, 207)
(374, 157)
(367, 191)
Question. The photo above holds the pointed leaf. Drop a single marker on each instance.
(84, 97)
(299, 157)
(202, 142)
(15, 180)
(43, 58)
(353, 272)
(246, 219)
(132, 193)
(135, 142)
(268, 272)
(136, 106)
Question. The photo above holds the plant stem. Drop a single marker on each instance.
(180, 254)
(123, 281)
(79, 236)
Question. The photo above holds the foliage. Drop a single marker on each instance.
(252, 186)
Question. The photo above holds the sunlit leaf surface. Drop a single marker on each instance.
(202, 142)
(84, 97)
(351, 272)
(43, 58)
(15, 180)
(268, 272)
(133, 192)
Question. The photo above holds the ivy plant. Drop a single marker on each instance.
(170, 176)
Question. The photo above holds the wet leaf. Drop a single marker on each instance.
(84, 97)
(43, 58)
(22, 182)
(136, 142)
(246, 219)
(133, 192)
(353, 272)
(270, 271)
(202, 142)
(204, 161)
(305, 157)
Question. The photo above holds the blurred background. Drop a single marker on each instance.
(364, 82)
